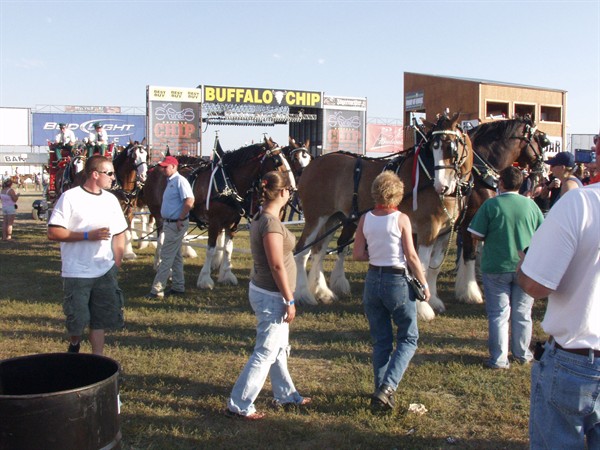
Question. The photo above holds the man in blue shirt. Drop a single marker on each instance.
(506, 223)
(177, 202)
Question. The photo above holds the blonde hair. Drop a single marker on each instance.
(387, 189)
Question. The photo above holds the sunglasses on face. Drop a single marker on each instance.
(110, 174)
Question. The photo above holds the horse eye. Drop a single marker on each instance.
(436, 145)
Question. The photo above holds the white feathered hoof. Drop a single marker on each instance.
(188, 252)
(303, 296)
(472, 295)
(425, 312)
(325, 295)
(340, 286)
(129, 256)
(437, 304)
(205, 282)
(228, 278)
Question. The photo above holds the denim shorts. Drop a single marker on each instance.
(9, 210)
(97, 302)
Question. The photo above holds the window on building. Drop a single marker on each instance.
(496, 110)
(522, 110)
(551, 113)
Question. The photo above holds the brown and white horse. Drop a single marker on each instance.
(131, 168)
(496, 145)
(330, 197)
(218, 212)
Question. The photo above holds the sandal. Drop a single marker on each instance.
(254, 416)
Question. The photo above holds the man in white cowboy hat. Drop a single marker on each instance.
(98, 140)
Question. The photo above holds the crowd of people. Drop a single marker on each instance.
(526, 255)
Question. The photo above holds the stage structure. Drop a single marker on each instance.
(330, 123)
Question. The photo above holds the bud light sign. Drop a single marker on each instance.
(120, 128)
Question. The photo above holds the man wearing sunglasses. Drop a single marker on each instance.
(89, 224)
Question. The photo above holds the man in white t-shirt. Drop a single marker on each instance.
(89, 224)
(563, 263)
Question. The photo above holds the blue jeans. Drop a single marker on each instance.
(269, 356)
(505, 301)
(564, 408)
(388, 298)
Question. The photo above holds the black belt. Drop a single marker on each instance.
(176, 220)
(577, 351)
(388, 269)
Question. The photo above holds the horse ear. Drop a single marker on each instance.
(455, 117)
(291, 141)
(307, 144)
(144, 141)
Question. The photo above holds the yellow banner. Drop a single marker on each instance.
(174, 94)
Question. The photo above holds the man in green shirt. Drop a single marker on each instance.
(506, 223)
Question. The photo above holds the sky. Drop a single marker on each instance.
(105, 53)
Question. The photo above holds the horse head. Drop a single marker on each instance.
(298, 156)
(139, 156)
(531, 154)
(275, 160)
(452, 155)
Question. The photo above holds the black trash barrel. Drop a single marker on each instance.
(59, 401)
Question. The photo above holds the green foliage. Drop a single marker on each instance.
(181, 356)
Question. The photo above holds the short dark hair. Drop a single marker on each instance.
(93, 163)
(512, 178)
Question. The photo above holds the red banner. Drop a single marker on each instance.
(384, 138)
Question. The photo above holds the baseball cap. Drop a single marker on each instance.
(97, 125)
(169, 160)
(61, 125)
(562, 159)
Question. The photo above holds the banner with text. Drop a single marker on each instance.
(344, 126)
(120, 128)
(267, 97)
(174, 116)
(385, 138)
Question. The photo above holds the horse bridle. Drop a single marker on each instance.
(528, 136)
(458, 158)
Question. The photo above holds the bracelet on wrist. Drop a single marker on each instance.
(290, 303)
(425, 286)
(85, 235)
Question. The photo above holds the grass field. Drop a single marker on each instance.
(180, 358)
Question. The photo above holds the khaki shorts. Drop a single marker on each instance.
(97, 302)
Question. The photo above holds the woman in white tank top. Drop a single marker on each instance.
(384, 238)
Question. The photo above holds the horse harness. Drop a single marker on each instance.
(223, 189)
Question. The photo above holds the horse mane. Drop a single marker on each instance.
(122, 155)
(501, 130)
(189, 160)
(242, 155)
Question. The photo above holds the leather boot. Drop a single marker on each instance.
(385, 395)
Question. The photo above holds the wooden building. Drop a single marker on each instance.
(484, 101)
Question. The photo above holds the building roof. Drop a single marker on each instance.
(481, 81)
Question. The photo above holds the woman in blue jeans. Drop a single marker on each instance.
(271, 291)
(384, 238)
